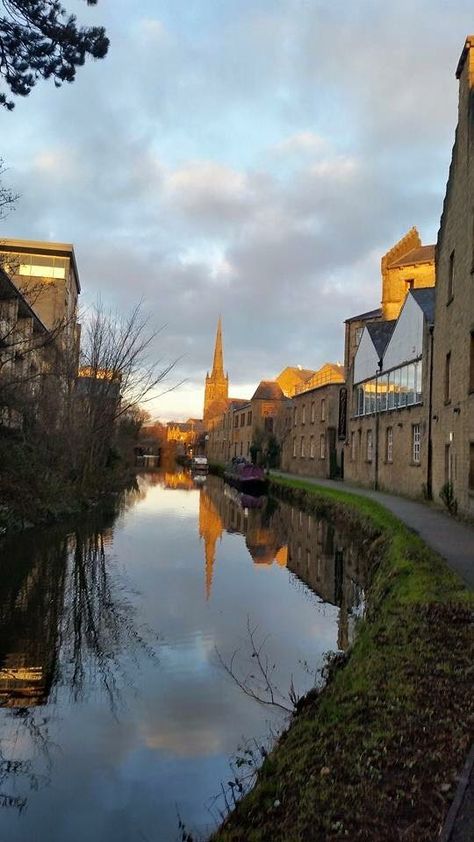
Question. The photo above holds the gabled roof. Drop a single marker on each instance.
(371, 314)
(380, 333)
(421, 254)
(298, 372)
(425, 298)
(268, 390)
(237, 403)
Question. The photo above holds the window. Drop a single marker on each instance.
(248, 448)
(303, 414)
(302, 447)
(241, 447)
(353, 447)
(311, 447)
(313, 413)
(242, 419)
(471, 364)
(322, 446)
(236, 421)
(370, 445)
(295, 416)
(416, 443)
(471, 466)
(249, 418)
(294, 448)
(389, 444)
(323, 409)
(447, 379)
(268, 425)
(451, 277)
(410, 283)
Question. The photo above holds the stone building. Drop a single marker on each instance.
(216, 391)
(293, 378)
(257, 420)
(26, 352)
(312, 444)
(47, 275)
(389, 401)
(453, 363)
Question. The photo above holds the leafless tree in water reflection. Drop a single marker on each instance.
(68, 621)
(99, 629)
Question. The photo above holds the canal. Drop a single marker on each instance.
(117, 713)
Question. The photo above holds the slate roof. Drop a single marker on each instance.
(425, 298)
(268, 390)
(421, 254)
(371, 314)
(380, 333)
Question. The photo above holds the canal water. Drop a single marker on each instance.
(117, 714)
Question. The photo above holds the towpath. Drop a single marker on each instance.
(453, 540)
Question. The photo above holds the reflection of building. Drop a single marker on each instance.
(31, 598)
(327, 561)
(324, 559)
(210, 530)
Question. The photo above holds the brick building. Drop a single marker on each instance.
(453, 363)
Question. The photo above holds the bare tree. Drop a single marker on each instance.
(118, 372)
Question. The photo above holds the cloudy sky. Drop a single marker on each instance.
(253, 158)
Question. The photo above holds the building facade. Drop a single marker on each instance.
(313, 441)
(453, 364)
(389, 404)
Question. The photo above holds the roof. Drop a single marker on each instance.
(300, 373)
(43, 247)
(362, 317)
(425, 298)
(421, 254)
(268, 390)
(9, 290)
(380, 333)
(467, 46)
(237, 403)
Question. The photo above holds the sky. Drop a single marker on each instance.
(249, 159)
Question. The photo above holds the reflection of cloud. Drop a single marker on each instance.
(198, 742)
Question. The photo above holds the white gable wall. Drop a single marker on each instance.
(366, 360)
(406, 342)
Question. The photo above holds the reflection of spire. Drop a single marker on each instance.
(218, 364)
(210, 530)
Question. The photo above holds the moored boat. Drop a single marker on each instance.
(246, 477)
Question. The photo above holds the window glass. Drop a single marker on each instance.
(410, 383)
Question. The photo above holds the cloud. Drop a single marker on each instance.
(254, 159)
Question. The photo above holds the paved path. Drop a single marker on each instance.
(455, 542)
(450, 538)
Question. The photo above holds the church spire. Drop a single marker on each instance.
(218, 364)
(216, 389)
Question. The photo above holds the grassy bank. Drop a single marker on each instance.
(375, 756)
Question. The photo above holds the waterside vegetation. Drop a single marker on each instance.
(376, 754)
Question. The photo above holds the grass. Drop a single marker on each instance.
(375, 756)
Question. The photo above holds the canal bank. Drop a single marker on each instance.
(377, 754)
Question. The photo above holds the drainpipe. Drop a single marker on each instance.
(377, 425)
(429, 467)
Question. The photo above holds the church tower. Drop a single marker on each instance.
(217, 383)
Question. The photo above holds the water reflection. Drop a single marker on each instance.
(65, 621)
(327, 562)
(86, 704)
